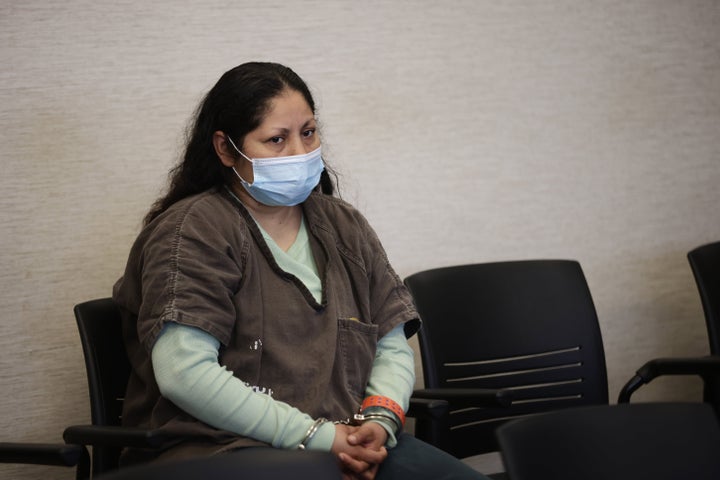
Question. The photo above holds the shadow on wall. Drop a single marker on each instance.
(655, 309)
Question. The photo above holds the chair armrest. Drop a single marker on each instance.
(112, 436)
(468, 397)
(42, 453)
(430, 408)
(700, 366)
(435, 430)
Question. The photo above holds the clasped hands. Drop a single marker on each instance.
(360, 449)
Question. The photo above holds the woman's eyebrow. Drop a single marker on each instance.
(287, 130)
(283, 130)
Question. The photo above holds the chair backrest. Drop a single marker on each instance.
(661, 441)
(705, 265)
(529, 326)
(108, 369)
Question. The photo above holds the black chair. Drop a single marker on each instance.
(108, 369)
(56, 454)
(254, 463)
(529, 327)
(658, 441)
(705, 265)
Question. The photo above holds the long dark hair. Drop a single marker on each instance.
(236, 105)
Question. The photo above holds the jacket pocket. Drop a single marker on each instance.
(357, 343)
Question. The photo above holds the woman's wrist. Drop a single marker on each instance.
(323, 438)
(386, 413)
(382, 409)
(310, 433)
(381, 415)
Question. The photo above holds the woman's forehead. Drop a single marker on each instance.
(288, 106)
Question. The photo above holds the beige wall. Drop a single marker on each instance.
(467, 131)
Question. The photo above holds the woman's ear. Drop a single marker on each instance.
(223, 149)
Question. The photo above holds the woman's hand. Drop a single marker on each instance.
(360, 450)
(370, 435)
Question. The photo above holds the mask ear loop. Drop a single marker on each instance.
(237, 149)
(244, 182)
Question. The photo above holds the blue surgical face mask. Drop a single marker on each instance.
(283, 181)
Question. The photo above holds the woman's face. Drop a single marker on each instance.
(288, 128)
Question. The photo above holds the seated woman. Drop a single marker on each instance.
(259, 309)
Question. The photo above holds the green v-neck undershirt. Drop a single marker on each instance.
(298, 260)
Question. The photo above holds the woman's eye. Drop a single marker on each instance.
(309, 133)
(276, 140)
